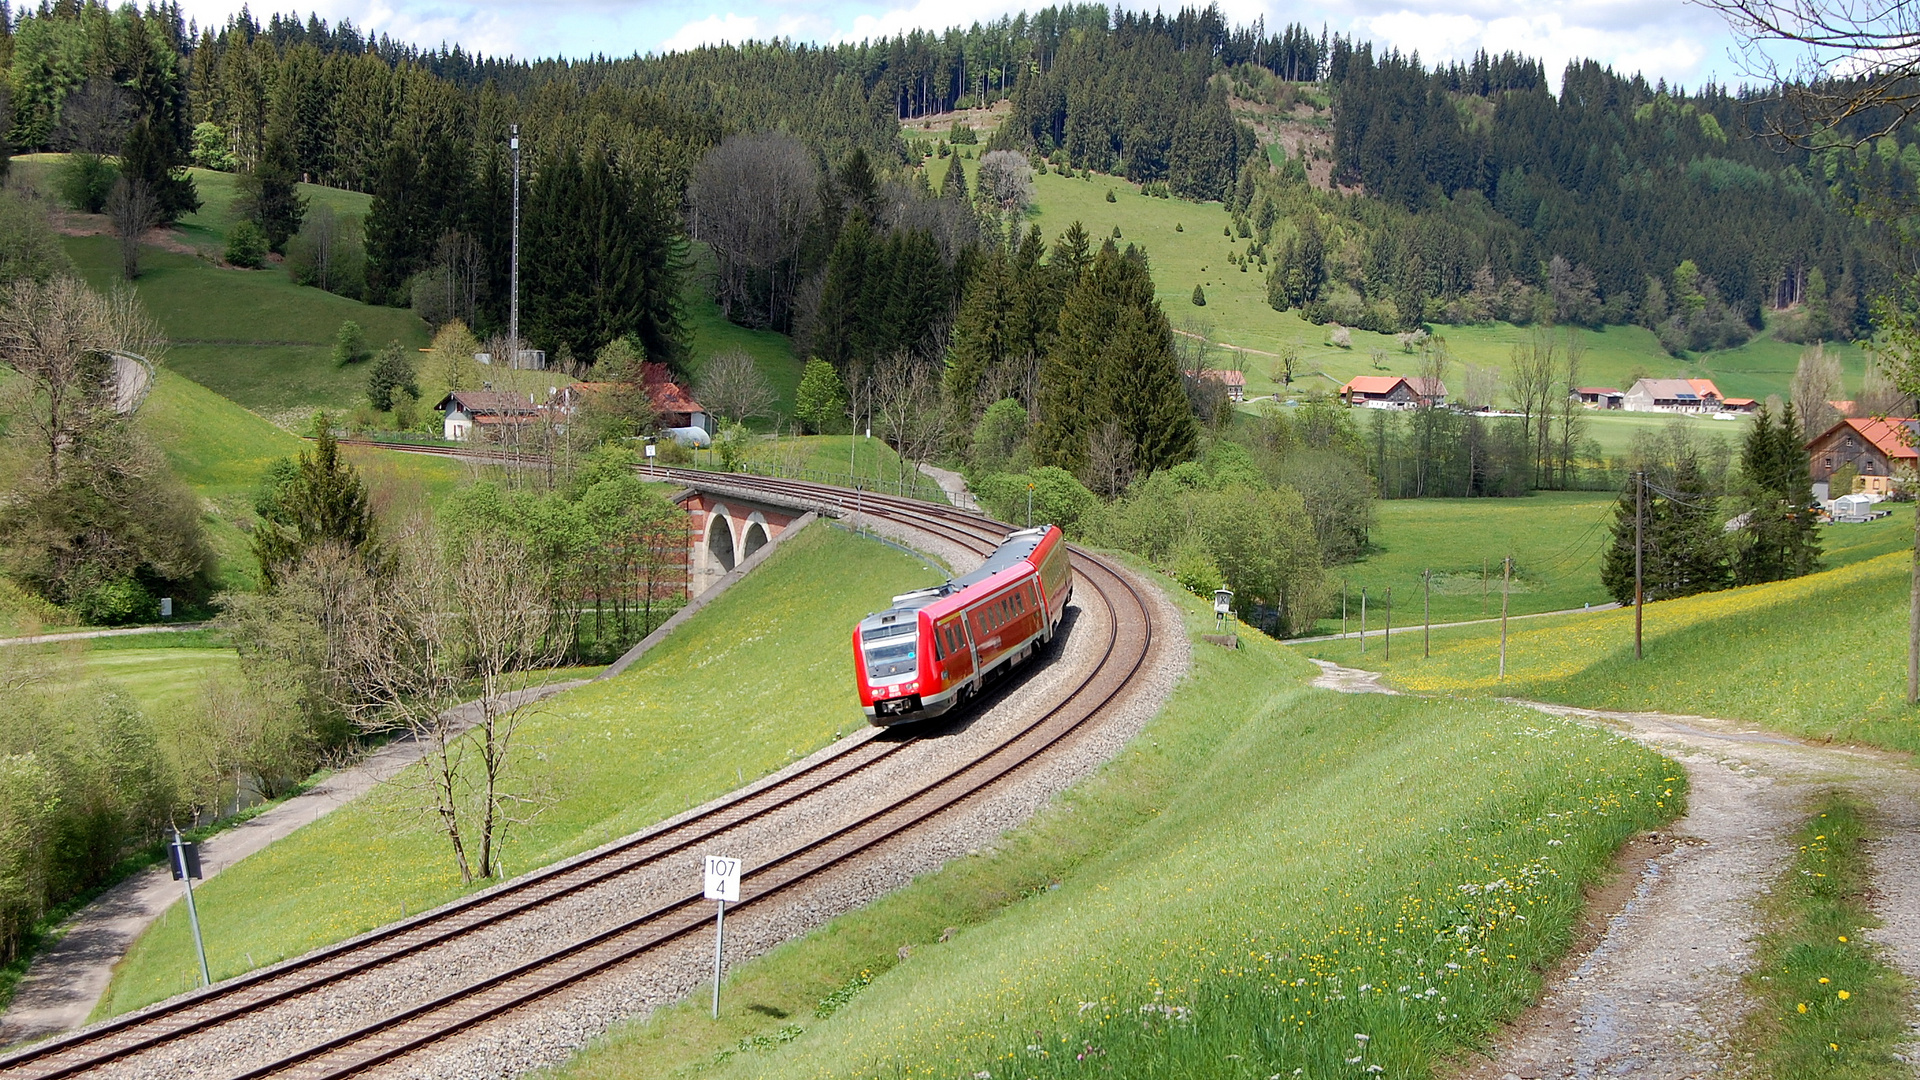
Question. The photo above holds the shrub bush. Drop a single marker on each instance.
(246, 246)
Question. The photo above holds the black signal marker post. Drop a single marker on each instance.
(184, 858)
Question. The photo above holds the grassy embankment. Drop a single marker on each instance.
(753, 682)
(1246, 887)
(1184, 241)
(1818, 657)
(1830, 1004)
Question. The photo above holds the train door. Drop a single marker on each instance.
(951, 633)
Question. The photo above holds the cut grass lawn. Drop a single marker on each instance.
(1830, 1004)
(1821, 657)
(1556, 538)
(1246, 887)
(753, 682)
(1184, 243)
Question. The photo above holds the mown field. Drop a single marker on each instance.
(1822, 657)
(1242, 892)
(753, 682)
(1185, 243)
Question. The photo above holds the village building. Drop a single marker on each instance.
(1673, 395)
(1234, 381)
(1393, 391)
(1880, 451)
(1740, 405)
(1599, 397)
(464, 410)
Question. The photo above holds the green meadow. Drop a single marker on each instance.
(753, 682)
(1820, 657)
(1246, 891)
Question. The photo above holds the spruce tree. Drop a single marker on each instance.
(1778, 537)
(395, 244)
(148, 155)
(269, 195)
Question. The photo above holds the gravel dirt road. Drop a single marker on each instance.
(1656, 990)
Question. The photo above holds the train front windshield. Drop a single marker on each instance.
(890, 650)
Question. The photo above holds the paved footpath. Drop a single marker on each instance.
(66, 981)
(1660, 996)
(953, 484)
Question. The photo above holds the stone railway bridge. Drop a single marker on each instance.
(726, 524)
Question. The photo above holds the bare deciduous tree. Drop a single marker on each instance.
(95, 118)
(731, 386)
(1109, 460)
(1531, 376)
(1831, 61)
(751, 200)
(133, 210)
(1005, 180)
(906, 405)
(471, 613)
(58, 336)
(1479, 386)
(1816, 384)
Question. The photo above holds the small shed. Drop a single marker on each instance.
(1853, 508)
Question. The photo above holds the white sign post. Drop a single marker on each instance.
(723, 884)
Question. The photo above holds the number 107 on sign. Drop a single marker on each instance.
(723, 878)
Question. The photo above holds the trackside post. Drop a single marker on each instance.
(723, 884)
(184, 858)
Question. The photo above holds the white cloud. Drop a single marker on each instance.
(1668, 45)
(714, 30)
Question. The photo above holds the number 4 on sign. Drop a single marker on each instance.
(723, 884)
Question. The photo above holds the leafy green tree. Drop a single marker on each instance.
(246, 245)
(211, 149)
(821, 398)
(84, 181)
(1057, 498)
(999, 441)
(392, 373)
(350, 344)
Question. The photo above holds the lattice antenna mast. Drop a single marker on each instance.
(513, 310)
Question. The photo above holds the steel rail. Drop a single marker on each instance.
(413, 1028)
(199, 1010)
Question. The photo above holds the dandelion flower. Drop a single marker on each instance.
(1824, 980)
(1803, 1007)
(1843, 938)
(1844, 995)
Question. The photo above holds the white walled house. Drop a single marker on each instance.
(1673, 395)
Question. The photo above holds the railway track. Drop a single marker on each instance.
(128, 1044)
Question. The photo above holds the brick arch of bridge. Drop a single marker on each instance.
(724, 530)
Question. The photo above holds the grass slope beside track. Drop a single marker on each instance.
(1248, 885)
(1820, 657)
(753, 682)
(1185, 244)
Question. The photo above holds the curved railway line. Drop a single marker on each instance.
(415, 1027)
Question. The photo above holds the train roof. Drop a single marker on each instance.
(1017, 548)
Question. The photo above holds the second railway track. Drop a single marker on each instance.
(142, 1039)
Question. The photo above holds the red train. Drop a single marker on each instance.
(936, 647)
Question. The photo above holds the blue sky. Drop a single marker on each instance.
(1662, 38)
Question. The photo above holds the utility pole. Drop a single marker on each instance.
(1389, 624)
(513, 303)
(1483, 586)
(1426, 613)
(1363, 620)
(1913, 619)
(1506, 579)
(1639, 561)
(1343, 605)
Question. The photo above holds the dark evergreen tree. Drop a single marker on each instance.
(1778, 536)
(148, 156)
(269, 193)
(399, 239)
(1684, 548)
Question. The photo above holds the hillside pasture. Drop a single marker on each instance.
(1185, 243)
(753, 682)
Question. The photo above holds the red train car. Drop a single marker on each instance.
(936, 647)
